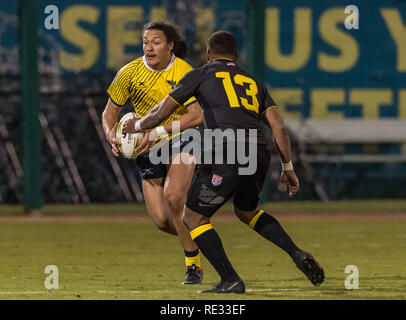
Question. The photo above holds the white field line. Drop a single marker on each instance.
(271, 290)
(22, 292)
(114, 292)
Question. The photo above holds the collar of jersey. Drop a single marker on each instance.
(167, 68)
(224, 59)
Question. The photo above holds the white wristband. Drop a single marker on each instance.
(160, 131)
(156, 132)
(137, 126)
(287, 166)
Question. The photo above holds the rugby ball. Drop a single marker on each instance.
(130, 141)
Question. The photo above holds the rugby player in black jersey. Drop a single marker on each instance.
(232, 100)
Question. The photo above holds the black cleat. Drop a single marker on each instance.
(226, 287)
(310, 267)
(194, 275)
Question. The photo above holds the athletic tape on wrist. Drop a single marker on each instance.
(160, 131)
(287, 166)
(137, 125)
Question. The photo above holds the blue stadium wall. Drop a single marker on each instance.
(315, 67)
(308, 50)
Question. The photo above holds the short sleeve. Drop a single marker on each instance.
(187, 87)
(189, 102)
(266, 101)
(119, 90)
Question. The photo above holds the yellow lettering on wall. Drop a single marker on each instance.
(397, 30)
(371, 100)
(302, 39)
(79, 37)
(345, 43)
(402, 104)
(158, 14)
(285, 97)
(322, 98)
(119, 35)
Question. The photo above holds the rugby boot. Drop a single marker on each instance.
(226, 287)
(309, 266)
(194, 275)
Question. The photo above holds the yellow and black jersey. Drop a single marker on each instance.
(147, 87)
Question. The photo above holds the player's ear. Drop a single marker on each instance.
(171, 45)
(207, 54)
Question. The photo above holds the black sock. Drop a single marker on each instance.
(210, 245)
(268, 227)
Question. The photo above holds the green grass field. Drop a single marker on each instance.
(101, 257)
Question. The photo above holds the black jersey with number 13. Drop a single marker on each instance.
(229, 97)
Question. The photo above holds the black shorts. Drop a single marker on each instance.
(214, 184)
(149, 170)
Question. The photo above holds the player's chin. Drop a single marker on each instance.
(153, 61)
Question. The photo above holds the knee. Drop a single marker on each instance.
(244, 216)
(162, 223)
(193, 220)
(187, 219)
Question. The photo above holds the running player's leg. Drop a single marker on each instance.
(211, 187)
(269, 228)
(153, 179)
(245, 201)
(156, 186)
(177, 182)
(156, 206)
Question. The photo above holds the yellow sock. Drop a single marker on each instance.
(192, 258)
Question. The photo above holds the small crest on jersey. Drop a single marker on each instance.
(231, 64)
(216, 180)
(172, 83)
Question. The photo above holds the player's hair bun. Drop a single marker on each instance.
(180, 49)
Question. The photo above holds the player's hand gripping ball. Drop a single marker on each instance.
(130, 141)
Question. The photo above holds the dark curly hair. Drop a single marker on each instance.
(223, 42)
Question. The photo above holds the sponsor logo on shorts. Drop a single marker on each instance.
(148, 171)
(216, 180)
(209, 197)
(201, 204)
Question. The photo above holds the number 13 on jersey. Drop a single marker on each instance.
(239, 79)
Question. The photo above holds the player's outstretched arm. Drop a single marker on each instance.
(191, 119)
(155, 116)
(274, 120)
(109, 123)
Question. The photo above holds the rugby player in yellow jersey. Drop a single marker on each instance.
(147, 80)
